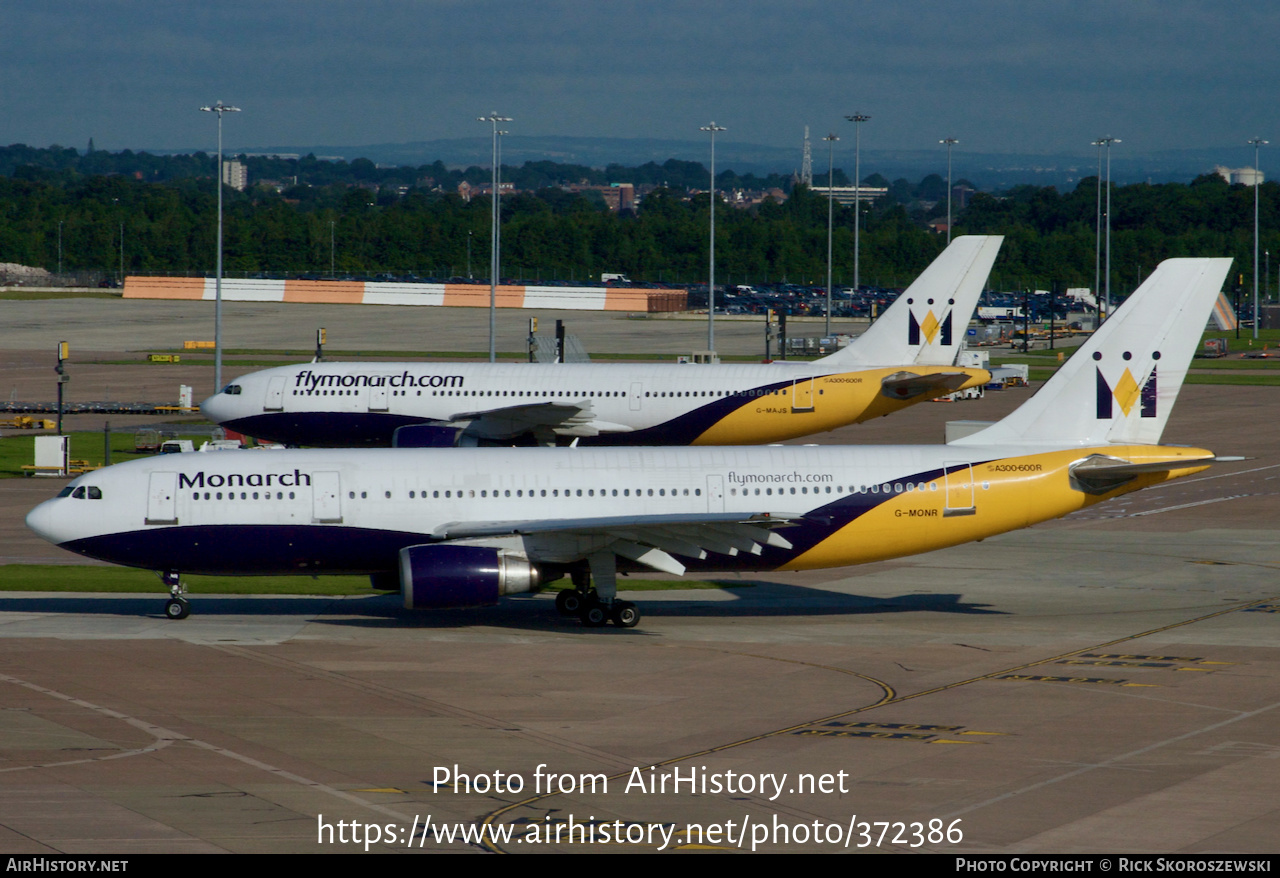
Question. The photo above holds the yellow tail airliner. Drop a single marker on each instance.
(907, 356)
(461, 527)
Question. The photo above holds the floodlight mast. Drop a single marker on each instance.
(218, 108)
(831, 145)
(949, 142)
(1106, 142)
(711, 285)
(495, 225)
(1257, 179)
(857, 119)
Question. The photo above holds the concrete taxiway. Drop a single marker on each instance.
(1105, 683)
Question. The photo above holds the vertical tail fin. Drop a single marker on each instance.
(927, 323)
(1121, 385)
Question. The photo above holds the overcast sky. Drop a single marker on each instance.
(1000, 75)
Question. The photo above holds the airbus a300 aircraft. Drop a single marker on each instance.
(454, 527)
(906, 357)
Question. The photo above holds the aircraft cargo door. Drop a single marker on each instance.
(326, 498)
(162, 499)
(959, 484)
(275, 395)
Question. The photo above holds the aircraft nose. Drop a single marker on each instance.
(44, 521)
(217, 408)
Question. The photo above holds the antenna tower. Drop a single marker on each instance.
(806, 167)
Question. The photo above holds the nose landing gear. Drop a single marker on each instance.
(177, 607)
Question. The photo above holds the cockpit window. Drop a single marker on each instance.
(232, 390)
(78, 493)
(95, 493)
(66, 492)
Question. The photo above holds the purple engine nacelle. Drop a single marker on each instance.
(438, 576)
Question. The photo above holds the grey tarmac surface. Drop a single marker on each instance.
(1105, 683)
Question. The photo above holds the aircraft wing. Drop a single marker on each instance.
(569, 418)
(908, 385)
(651, 540)
(545, 420)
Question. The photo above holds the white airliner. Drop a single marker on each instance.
(906, 357)
(461, 527)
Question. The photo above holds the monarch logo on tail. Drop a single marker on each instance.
(1127, 392)
(931, 326)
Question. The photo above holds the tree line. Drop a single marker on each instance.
(163, 209)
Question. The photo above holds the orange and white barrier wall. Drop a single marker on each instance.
(448, 295)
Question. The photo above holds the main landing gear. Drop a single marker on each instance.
(177, 607)
(593, 608)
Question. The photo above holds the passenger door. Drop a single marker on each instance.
(326, 498)
(162, 499)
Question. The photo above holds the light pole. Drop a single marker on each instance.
(332, 249)
(831, 184)
(711, 286)
(949, 142)
(857, 119)
(1106, 142)
(494, 227)
(59, 248)
(1097, 238)
(218, 108)
(1257, 178)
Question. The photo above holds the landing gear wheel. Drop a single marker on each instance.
(593, 615)
(624, 614)
(177, 608)
(569, 603)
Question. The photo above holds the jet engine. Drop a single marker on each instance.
(441, 575)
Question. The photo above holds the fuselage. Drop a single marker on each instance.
(351, 511)
(362, 404)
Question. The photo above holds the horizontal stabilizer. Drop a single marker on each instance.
(1099, 474)
(908, 385)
